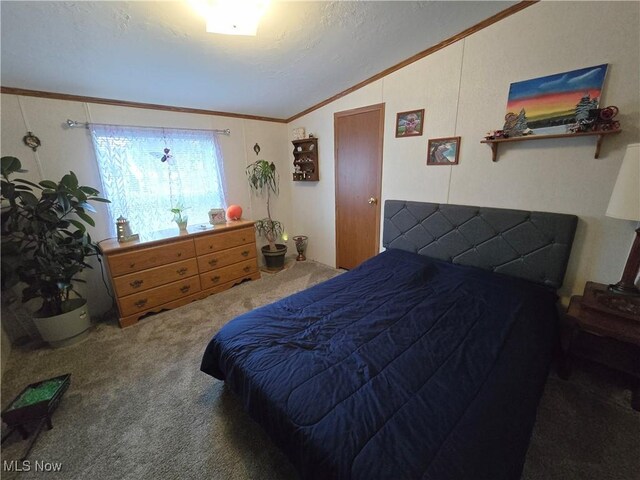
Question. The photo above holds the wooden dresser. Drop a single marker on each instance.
(170, 268)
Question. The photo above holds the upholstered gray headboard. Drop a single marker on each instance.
(530, 245)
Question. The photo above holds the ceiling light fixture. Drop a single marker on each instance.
(231, 17)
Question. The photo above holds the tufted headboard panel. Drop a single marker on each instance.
(530, 245)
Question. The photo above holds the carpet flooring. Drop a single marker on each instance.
(139, 408)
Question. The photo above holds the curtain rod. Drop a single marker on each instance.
(74, 124)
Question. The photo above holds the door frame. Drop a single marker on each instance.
(377, 107)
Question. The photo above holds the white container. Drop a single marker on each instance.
(68, 328)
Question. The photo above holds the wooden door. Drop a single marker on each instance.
(358, 152)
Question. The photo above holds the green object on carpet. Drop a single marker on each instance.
(41, 393)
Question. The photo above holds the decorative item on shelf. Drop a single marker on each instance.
(496, 134)
(298, 133)
(297, 174)
(509, 124)
(598, 120)
(443, 151)
(31, 141)
(179, 217)
(301, 246)
(604, 118)
(624, 204)
(234, 212)
(516, 125)
(409, 124)
(217, 216)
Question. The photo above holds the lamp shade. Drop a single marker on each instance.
(625, 198)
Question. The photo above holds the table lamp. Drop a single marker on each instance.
(625, 205)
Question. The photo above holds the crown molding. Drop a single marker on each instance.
(125, 103)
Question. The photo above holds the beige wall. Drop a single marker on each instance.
(66, 149)
(464, 89)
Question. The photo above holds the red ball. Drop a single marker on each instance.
(234, 212)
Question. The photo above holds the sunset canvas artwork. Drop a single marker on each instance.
(549, 104)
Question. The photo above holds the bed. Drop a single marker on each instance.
(425, 362)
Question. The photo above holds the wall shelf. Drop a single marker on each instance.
(600, 134)
(305, 160)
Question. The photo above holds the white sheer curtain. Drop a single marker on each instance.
(143, 188)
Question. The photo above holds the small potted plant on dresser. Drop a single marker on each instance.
(45, 245)
(264, 180)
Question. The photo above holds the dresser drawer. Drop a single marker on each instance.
(221, 241)
(154, 277)
(227, 274)
(139, 302)
(226, 257)
(129, 262)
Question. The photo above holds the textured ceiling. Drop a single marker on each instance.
(159, 52)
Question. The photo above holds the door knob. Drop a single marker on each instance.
(372, 201)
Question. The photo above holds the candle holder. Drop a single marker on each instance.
(301, 246)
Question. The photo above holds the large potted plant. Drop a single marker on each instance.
(264, 180)
(45, 245)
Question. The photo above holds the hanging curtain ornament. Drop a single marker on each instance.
(163, 157)
(166, 155)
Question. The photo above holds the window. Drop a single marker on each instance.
(147, 171)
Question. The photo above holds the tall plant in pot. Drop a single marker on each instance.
(45, 245)
(264, 180)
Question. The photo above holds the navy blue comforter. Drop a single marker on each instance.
(403, 368)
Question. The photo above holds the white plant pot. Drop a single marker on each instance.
(68, 328)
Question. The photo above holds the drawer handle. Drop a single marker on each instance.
(245, 253)
(213, 261)
(215, 279)
(179, 254)
(210, 247)
(185, 289)
(141, 303)
(181, 271)
(131, 265)
(247, 268)
(136, 283)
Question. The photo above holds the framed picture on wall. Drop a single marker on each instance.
(443, 151)
(549, 105)
(409, 124)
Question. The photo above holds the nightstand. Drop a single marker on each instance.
(613, 340)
